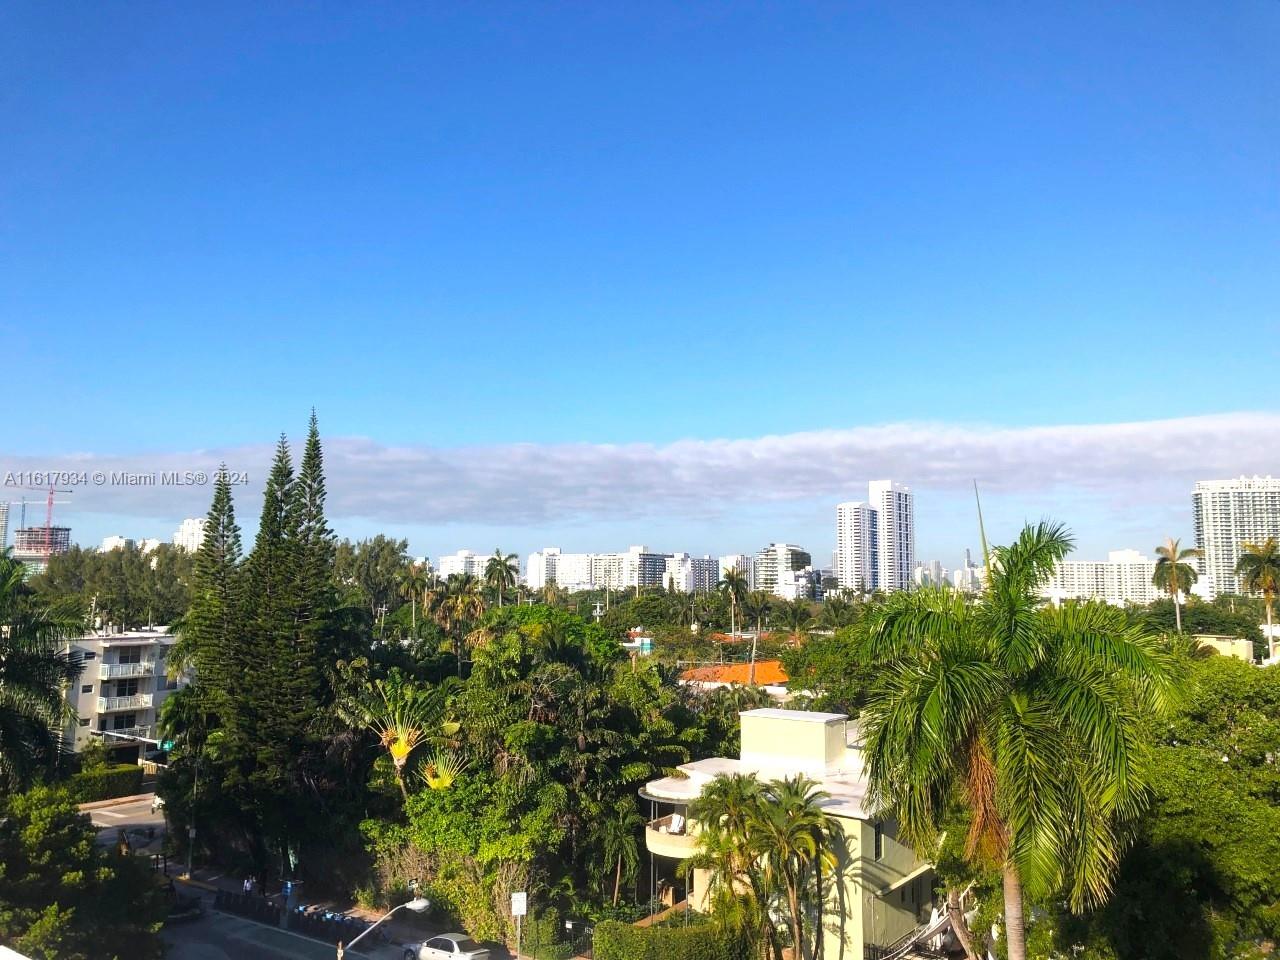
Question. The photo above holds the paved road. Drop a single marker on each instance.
(135, 817)
(220, 936)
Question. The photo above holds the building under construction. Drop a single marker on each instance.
(35, 545)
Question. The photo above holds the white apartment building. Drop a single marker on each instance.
(115, 543)
(637, 567)
(190, 534)
(464, 561)
(932, 574)
(147, 545)
(1227, 514)
(1124, 577)
(540, 568)
(775, 558)
(121, 687)
(968, 578)
(876, 539)
(4, 523)
(688, 574)
(744, 563)
(802, 584)
(857, 555)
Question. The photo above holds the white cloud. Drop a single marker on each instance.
(1152, 463)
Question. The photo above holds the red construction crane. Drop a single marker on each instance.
(46, 545)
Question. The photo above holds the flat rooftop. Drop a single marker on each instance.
(800, 716)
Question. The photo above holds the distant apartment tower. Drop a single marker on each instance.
(1124, 577)
(115, 543)
(688, 574)
(34, 545)
(4, 524)
(857, 553)
(540, 568)
(775, 558)
(876, 539)
(190, 534)
(464, 561)
(1227, 514)
(744, 563)
(967, 578)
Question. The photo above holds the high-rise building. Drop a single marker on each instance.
(147, 545)
(4, 524)
(775, 558)
(35, 545)
(464, 561)
(895, 533)
(690, 574)
(744, 563)
(1124, 577)
(540, 568)
(1227, 514)
(115, 543)
(190, 534)
(857, 555)
(968, 578)
(876, 539)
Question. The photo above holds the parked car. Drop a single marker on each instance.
(447, 946)
(157, 803)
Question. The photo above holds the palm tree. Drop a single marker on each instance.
(618, 843)
(1259, 569)
(795, 616)
(1173, 574)
(734, 586)
(790, 836)
(402, 715)
(33, 673)
(462, 605)
(1029, 717)
(500, 572)
(837, 613)
(756, 605)
(413, 584)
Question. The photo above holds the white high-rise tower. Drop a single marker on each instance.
(876, 539)
(1227, 514)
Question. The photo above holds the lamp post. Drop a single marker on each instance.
(417, 905)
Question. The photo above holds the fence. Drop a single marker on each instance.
(247, 905)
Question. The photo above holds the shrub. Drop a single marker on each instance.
(106, 783)
(700, 941)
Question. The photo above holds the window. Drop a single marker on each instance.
(879, 842)
(84, 721)
(130, 655)
(127, 688)
(87, 688)
(123, 721)
(90, 655)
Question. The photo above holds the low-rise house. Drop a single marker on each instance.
(881, 891)
(769, 674)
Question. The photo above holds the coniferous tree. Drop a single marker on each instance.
(317, 549)
(213, 629)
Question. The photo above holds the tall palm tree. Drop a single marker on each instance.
(1259, 569)
(462, 605)
(413, 584)
(756, 605)
(1173, 574)
(33, 673)
(619, 846)
(1029, 717)
(837, 613)
(790, 835)
(734, 586)
(500, 572)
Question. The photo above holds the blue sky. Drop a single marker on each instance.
(459, 228)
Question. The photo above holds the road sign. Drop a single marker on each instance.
(519, 904)
(167, 746)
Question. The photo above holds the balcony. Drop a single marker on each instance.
(669, 837)
(123, 736)
(117, 671)
(114, 704)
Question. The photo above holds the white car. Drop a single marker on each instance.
(447, 946)
(157, 803)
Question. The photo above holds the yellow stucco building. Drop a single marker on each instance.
(881, 890)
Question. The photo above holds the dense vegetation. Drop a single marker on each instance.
(358, 724)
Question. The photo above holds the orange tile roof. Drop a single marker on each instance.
(767, 672)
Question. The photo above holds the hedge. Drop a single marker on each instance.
(106, 783)
(700, 941)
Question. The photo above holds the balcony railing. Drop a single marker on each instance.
(112, 704)
(118, 739)
(669, 837)
(116, 671)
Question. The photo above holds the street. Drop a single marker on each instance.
(220, 936)
(136, 818)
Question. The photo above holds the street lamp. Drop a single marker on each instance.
(417, 905)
